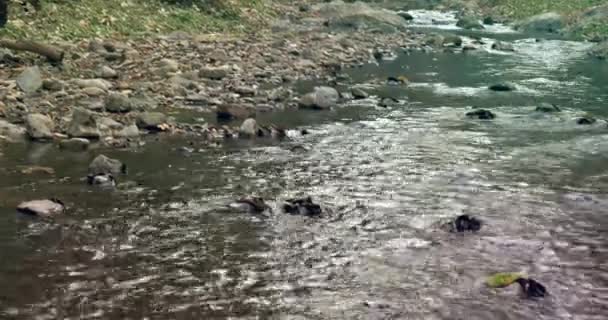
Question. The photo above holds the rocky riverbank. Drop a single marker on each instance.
(116, 91)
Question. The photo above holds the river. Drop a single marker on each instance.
(167, 247)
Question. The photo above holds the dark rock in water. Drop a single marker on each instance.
(388, 102)
(235, 111)
(469, 23)
(378, 55)
(42, 208)
(488, 21)
(547, 108)
(585, 121)
(465, 223)
(106, 165)
(406, 16)
(250, 204)
(151, 120)
(481, 114)
(359, 93)
(502, 87)
(302, 206)
(397, 80)
(502, 46)
(105, 180)
(469, 48)
(531, 288)
(452, 41)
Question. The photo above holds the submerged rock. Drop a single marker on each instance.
(502, 87)
(502, 46)
(42, 208)
(532, 288)
(481, 114)
(586, 121)
(465, 223)
(547, 108)
(250, 204)
(105, 165)
(303, 206)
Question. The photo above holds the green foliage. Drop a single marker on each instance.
(80, 19)
(501, 280)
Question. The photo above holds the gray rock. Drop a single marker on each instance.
(106, 72)
(214, 73)
(488, 21)
(11, 132)
(83, 125)
(118, 103)
(550, 22)
(43, 208)
(469, 23)
(105, 165)
(359, 93)
(169, 65)
(235, 111)
(151, 120)
(93, 83)
(30, 80)
(245, 91)
(249, 128)
(74, 144)
(53, 84)
(39, 126)
(502, 46)
(320, 99)
(358, 15)
(130, 131)
(452, 40)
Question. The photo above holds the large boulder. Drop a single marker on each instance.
(83, 125)
(321, 98)
(249, 128)
(339, 14)
(39, 126)
(550, 22)
(30, 80)
(105, 165)
(118, 103)
(600, 51)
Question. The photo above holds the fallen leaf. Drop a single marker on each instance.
(501, 280)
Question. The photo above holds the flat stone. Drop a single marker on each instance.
(30, 80)
(74, 144)
(42, 208)
(39, 126)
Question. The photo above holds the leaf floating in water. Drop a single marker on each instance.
(501, 280)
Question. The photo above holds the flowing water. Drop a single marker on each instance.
(166, 247)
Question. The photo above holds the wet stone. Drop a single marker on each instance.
(481, 114)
